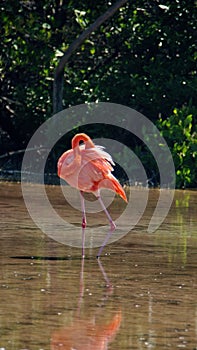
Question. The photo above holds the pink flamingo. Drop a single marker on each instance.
(88, 168)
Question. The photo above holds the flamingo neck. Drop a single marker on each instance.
(81, 137)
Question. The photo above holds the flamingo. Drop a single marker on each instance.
(88, 168)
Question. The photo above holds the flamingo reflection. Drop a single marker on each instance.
(86, 333)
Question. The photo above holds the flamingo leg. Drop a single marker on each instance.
(83, 223)
(108, 283)
(104, 243)
(81, 287)
(112, 226)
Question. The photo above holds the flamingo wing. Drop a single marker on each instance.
(96, 165)
(101, 159)
(96, 173)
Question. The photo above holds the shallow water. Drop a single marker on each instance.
(142, 295)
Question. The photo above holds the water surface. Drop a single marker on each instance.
(141, 296)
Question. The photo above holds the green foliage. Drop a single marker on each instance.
(143, 57)
(180, 131)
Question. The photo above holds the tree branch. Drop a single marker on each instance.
(59, 72)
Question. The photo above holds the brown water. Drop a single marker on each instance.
(143, 296)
